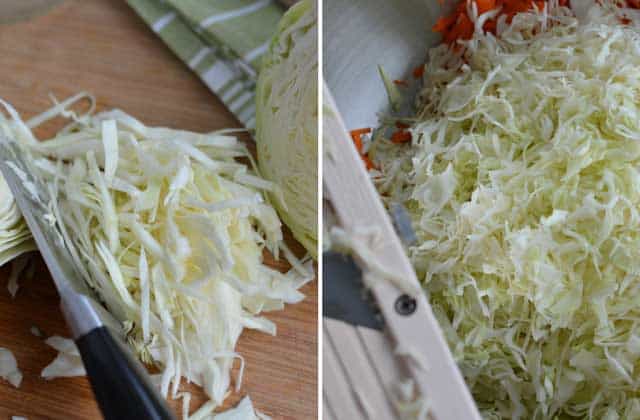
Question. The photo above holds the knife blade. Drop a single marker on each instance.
(344, 297)
(31, 197)
(120, 384)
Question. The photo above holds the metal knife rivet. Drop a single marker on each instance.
(405, 305)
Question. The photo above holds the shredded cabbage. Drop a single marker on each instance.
(9, 368)
(18, 266)
(287, 120)
(523, 184)
(170, 231)
(243, 411)
(37, 332)
(393, 93)
(67, 363)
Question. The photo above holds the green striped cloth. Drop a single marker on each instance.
(221, 40)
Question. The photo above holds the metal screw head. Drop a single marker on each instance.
(405, 305)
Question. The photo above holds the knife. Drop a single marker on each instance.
(120, 383)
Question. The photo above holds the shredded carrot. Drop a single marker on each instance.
(418, 72)
(360, 131)
(367, 162)
(491, 26)
(458, 25)
(444, 23)
(356, 136)
(357, 141)
(401, 136)
(463, 29)
(401, 82)
(485, 5)
(401, 125)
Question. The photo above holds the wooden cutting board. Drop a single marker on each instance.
(101, 46)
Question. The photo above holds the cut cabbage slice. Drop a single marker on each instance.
(523, 184)
(171, 232)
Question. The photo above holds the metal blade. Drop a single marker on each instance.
(80, 308)
(344, 297)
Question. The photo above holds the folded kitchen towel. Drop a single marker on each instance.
(221, 40)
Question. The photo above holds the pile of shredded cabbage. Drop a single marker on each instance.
(169, 229)
(523, 184)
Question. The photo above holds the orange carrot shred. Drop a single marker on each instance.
(401, 136)
(401, 82)
(465, 27)
(357, 141)
(458, 25)
(490, 26)
(444, 23)
(360, 131)
(356, 136)
(485, 5)
(368, 163)
(418, 72)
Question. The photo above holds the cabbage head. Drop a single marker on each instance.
(287, 114)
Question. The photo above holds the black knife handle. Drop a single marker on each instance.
(121, 389)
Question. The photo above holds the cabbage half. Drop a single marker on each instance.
(287, 116)
(523, 183)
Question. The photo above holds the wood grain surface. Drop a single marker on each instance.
(101, 46)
